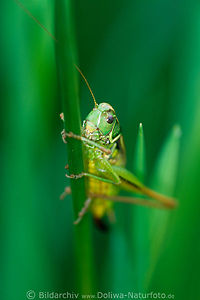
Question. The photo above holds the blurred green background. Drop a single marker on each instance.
(143, 57)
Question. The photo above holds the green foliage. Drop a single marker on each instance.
(144, 59)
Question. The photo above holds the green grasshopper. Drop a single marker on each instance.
(105, 160)
(104, 163)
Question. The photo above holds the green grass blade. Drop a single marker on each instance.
(66, 56)
(140, 159)
(140, 214)
(164, 181)
(165, 173)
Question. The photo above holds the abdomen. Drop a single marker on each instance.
(99, 206)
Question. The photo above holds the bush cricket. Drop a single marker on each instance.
(104, 162)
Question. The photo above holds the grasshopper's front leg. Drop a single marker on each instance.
(78, 176)
(83, 139)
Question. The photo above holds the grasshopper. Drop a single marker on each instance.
(105, 160)
(104, 165)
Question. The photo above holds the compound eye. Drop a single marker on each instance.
(110, 119)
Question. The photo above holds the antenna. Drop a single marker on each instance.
(53, 37)
(95, 103)
(36, 20)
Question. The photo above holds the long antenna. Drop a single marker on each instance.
(95, 103)
(53, 37)
(36, 20)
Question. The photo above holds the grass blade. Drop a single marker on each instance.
(164, 180)
(140, 214)
(68, 82)
(139, 159)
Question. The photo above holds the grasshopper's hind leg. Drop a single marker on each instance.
(83, 211)
(134, 200)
